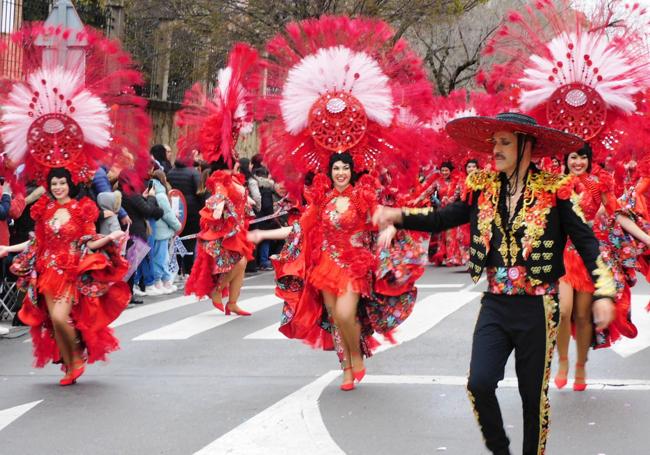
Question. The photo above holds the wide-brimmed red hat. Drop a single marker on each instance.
(476, 133)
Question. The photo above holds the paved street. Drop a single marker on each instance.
(191, 380)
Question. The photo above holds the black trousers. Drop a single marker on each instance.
(527, 325)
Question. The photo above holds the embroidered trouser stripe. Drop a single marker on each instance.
(527, 326)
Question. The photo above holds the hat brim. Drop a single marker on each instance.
(476, 133)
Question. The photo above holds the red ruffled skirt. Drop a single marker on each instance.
(576, 274)
(578, 277)
(328, 276)
(215, 258)
(98, 299)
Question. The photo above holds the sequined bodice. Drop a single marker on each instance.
(346, 230)
(59, 230)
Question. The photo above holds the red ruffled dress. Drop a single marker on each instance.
(635, 205)
(222, 242)
(334, 251)
(58, 263)
(450, 248)
(618, 250)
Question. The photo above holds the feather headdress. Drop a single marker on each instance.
(338, 84)
(575, 71)
(210, 125)
(72, 104)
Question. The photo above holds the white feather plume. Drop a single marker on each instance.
(224, 77)
(440, 120)
(89, 111)
(334, 69)
(617, 83)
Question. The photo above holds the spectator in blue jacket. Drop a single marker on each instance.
(101, 184)
(166, 228)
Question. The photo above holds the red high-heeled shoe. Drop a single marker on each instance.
(580, 382)
(218, 306)
(561, 381)
(359, 375)
(73, 374)
(349, 386)
(239, 312)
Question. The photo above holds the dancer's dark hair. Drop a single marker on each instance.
(585, 152)
(59, 173)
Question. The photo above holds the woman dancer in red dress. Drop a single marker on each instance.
(222, 248)
(333, 255)
(66, 281)
(343, 105)
(67, 117)
(211, 125)
(603, 213)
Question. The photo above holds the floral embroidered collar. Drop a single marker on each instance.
(539, 197)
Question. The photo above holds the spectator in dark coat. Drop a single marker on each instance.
(140, 207)
(187, 180)
(160, 153)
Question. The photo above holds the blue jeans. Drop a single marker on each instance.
(144, 271)
(265, 249)
(160, 260)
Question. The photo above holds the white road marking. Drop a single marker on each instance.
(9, 415)
(594, 384)
(419, 286)
(135, 314)
(439, 286)
(626, 347)
(292, 426)
(427, 313)
(199, 323)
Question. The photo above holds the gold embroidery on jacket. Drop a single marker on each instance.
(605, 285)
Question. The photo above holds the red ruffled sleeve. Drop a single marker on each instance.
(38, 209)
(87, 211)
(367, 192)
(606, 185)
(315, 194)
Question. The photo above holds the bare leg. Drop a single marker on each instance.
(330, 304)
(216, 298)
(346, 315)
(564, 331)
(584, 332)
(235, 284)
(238, 271)
(64, 334)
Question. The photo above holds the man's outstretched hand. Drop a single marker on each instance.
(385, 216)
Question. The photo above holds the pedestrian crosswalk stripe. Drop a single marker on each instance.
(202, 322)
(135, 314)
(428, 312)
(267, 333)
(439, 286)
